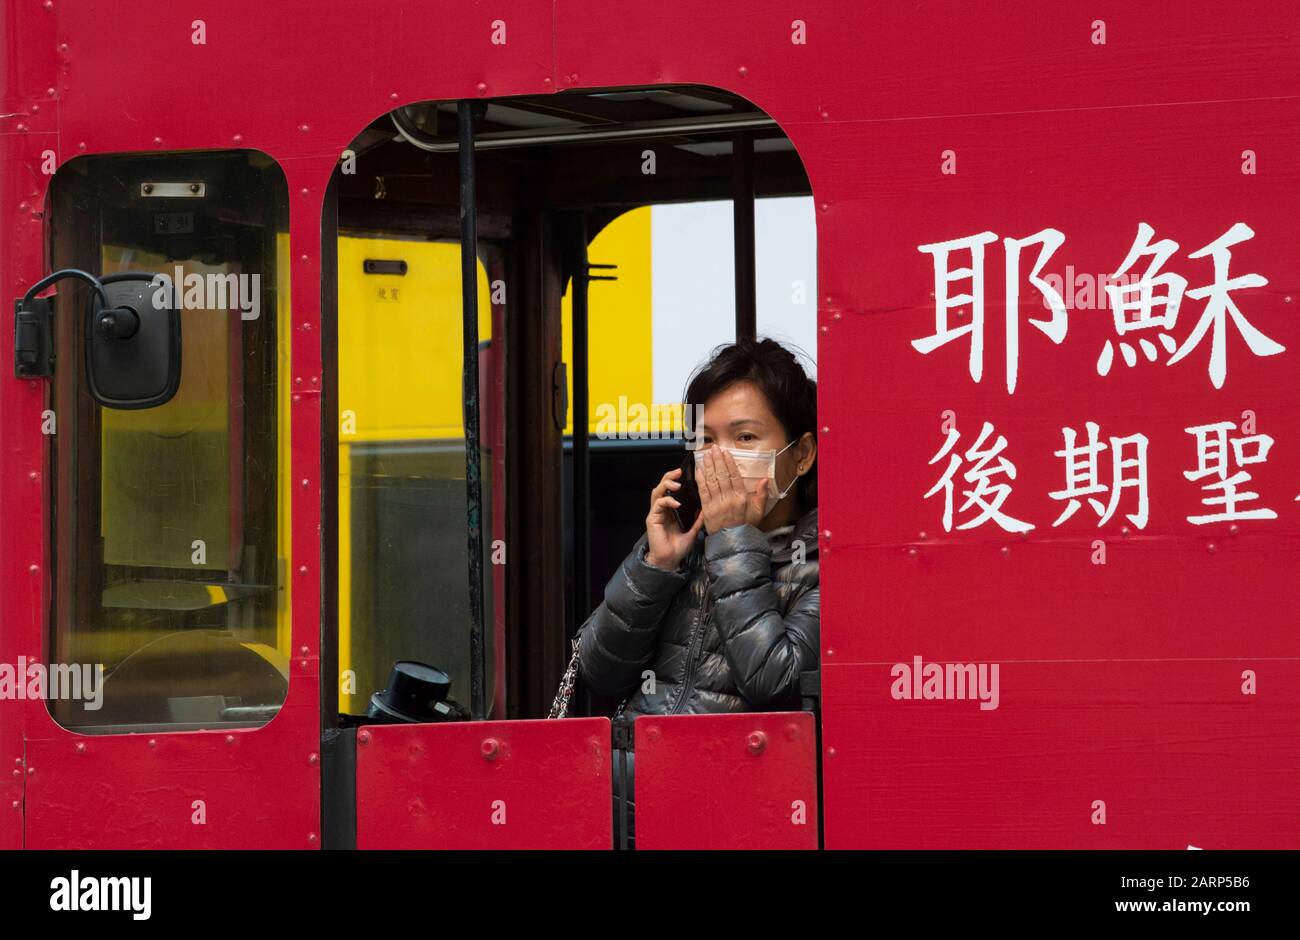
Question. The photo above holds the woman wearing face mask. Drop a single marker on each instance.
(725, 615)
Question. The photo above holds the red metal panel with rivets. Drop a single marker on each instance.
(1125, 716)
(746, 781)
(487, 785)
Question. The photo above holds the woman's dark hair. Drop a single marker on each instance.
(790, 394)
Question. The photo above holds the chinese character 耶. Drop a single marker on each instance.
(1055, 328)
(988, 496)
(1212, 449)
(1082, 478)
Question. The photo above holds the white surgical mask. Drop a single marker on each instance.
(755, 467)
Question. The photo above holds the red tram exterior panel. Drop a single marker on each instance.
(753, 781)
(485, 784)
(1124, 675)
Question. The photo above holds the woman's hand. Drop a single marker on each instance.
(723, 496)
(666, 543)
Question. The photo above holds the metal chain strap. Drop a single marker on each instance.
(560, 707)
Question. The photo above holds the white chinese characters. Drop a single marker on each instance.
(1100, 472)
(1145, 307)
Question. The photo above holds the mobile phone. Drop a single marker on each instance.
(688, 495)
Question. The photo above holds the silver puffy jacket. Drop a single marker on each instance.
(728, 631)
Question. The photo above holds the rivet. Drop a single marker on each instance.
(32, 476)
(826, 329)
(311, 838)
(33, 569)
(302, 569)
(306, 326)
(81, 145)
(304, 128)
(393, 96)
(830, 752)
(315, 380)
(654, 734)
(238, 138)
(63, 47)
(230, 739)
(194, 187)
(14, 804)
(313, 758)
(35, 107)
(18, 773)
(826, 533)
(825, 206)
(153, 743)
(18, 761)
(922, 536)
(297, 380)
(148, 188)
(826, 430)
(363, 737)
(490, 748)
(1123, 530)
(1287, 299)
(1233, 529)
(757, 742)
(304, 191)
(913, 551)
(305, 650)
(792, 732)
(1212, 548)
(481, 88)
(830, 652)
(30, 771)
(48, 4)
(304, 258)
(297, 398)
(81, 747)
(1005, 550)
(742, 71)
(835, 316)
(305, 484)
(157, 141)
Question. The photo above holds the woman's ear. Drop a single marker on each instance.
(805, 453)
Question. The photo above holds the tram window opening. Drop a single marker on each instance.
(545, 165)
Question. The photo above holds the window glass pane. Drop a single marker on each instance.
(171, 527)
(403, 576)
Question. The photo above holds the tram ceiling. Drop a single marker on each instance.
(570, 151)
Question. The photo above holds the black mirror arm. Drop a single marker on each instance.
(57, 276)
(33, 324)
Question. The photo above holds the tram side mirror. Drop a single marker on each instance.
(133, 344)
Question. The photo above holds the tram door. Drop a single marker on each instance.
(170, 593)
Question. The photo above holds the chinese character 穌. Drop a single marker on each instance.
(1082, 479)
(1212, 444)
(988, 496)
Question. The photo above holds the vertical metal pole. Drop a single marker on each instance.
(581, 450)
(469, 404)
(742, 196)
